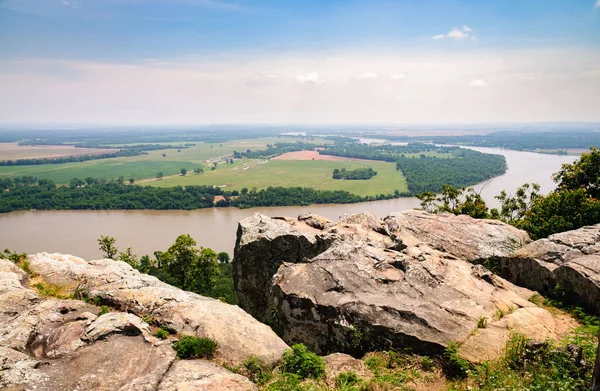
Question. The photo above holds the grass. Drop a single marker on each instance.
(189, 346)
(142, 166)
(250, 173)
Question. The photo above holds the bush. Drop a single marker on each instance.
(161, 333)
(286, 382)
(299, 361)
(189, 346)
(257, 371)
(456, 366)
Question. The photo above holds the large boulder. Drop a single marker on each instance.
(50, 343)
(569, 261)
(461, 236)
(362, 284)
(119, 285)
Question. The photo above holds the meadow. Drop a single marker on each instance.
(260, 174)
(243, 173)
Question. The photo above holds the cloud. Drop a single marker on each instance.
(70, 3)
(366, 76)
(398, 76)
(598, 3)
(478, 83)
(311, 77)
(314, 87)
(457, 33)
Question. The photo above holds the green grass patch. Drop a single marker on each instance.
(255, 173)
(189, 346)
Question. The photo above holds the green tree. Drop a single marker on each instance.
(583, 173)
(560, 211)
(107, 246)
(183, 171)
(513, 208)
(192, 269)
(223, 257)
(131, 180)
(128, 257)
(159, 175)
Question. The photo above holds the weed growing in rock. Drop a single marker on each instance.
(482, 322)
(161, 333)
(189, 346)
(299, 361)
(104, 310)
(45, 289)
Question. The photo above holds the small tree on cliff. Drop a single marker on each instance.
(107, 246)
(192, 269)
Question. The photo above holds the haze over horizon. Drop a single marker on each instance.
(184, 62)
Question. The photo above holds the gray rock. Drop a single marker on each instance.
(569, 259)
(360, 284)
(125, 289)
(116, 322)
(460, 236)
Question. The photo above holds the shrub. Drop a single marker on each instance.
(257, 371)
(104, 310)
(49, 290)
(189, 346)
(456, 366)
(482, 323)
(299, 361)
(161, 333)
(286, 382)
(427, 363)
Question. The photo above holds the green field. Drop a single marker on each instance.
(288, 173)
(249, 173)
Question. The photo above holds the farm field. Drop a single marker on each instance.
(142, 166)
(260, 174)
(14, 151)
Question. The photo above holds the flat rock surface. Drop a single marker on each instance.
(50, 344)
(119, 285)
(367, 284)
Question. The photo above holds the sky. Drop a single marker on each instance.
(192, 62)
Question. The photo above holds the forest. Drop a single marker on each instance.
(26, 193)
(430, 170)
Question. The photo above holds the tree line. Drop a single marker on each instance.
(133, 150)
(575, 202)
(275, 150)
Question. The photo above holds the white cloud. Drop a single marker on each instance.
(398, 76)
(366, 76)
(218, 89)
(311, 77)
(598, 3)
(478, 83)
(457, 33)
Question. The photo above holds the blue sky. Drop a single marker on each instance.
(250, 53)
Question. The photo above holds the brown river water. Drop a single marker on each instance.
(76, 232)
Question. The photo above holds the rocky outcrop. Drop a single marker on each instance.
(124, 288)
(51, 343)
(460, 236)
(567, 260)
(363, 284)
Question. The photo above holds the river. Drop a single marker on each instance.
(76, 232)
